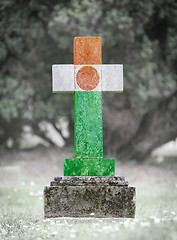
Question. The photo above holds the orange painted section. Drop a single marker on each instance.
(87, 50)
(87, 78)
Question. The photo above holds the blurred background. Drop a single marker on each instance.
(141, 35)
(37, 127)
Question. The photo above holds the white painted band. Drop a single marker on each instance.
(64, 75)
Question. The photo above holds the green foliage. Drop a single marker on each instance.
(35, 34)
(15, 95)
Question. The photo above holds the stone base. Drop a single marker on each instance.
(89, 167)
(102, 197)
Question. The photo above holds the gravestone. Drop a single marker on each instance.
(88, 187)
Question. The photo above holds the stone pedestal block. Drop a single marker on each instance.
(89, 167)
(89, 197)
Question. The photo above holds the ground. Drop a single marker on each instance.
(24, 174)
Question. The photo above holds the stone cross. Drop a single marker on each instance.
(88, 78)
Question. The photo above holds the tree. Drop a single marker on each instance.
(141, 35)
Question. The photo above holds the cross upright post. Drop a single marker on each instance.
(87, 78)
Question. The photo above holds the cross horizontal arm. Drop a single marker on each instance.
(64, 77)
(112, 77)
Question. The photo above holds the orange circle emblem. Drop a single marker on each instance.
(87, 78)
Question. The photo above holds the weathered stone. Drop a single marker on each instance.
(84, 181)
(89, 167)
(89, 197)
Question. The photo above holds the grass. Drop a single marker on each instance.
(21, 206)
(21, 216)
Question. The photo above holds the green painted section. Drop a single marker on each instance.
(89, 167)
(88, 124)
(88, 128)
